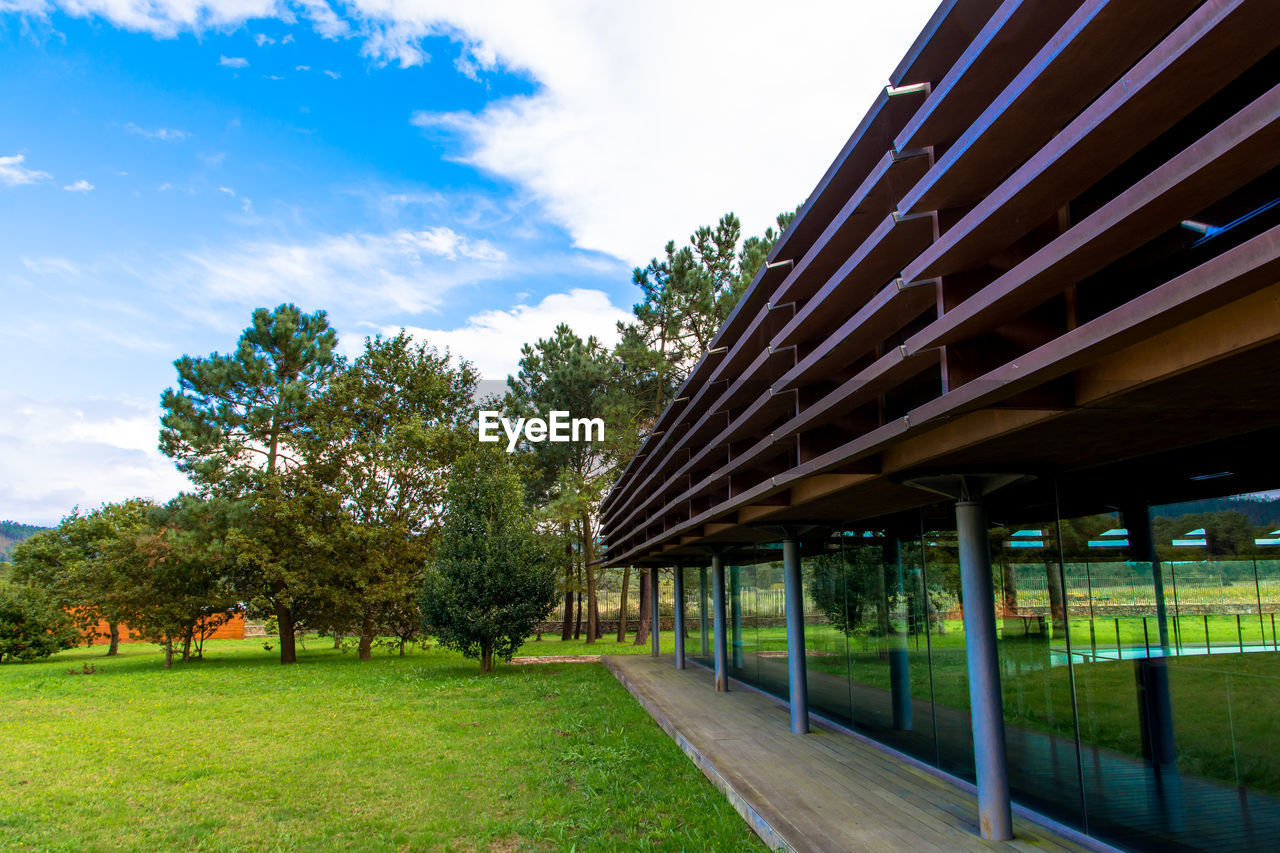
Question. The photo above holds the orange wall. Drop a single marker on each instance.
(232, 630)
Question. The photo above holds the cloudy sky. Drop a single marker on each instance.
(476, 172)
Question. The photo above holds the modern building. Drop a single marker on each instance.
(981, 464)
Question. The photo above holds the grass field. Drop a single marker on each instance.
(236, 752)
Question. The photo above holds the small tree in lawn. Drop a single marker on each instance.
(32, 624)
(492, 578)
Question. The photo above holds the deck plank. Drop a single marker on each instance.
(821, 792)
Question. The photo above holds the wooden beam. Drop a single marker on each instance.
(1244, 324)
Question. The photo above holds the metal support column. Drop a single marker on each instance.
(721, 640)
(796, 674)
(995, 818)
(679, 575)
(654, 637)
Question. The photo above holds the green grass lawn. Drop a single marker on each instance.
(236, 752)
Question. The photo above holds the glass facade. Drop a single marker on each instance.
(1138, 650)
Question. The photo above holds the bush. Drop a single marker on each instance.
(492, 577)
(32, 625)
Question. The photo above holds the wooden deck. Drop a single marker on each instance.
(824, 791)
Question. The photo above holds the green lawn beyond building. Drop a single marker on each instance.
(417, 753)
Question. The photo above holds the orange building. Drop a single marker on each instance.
(232, 630)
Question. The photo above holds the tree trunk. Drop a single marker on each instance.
(168, 654)
(401, 647)
(113, 630)
(337, 640)
(284, 620)
(366, 635)
(588, 557)
(642, 632)
(1010, 592)
(577, 625)
(566, 630)
(486, 658)
(622, 605)
(1057, 608)
(186, 644)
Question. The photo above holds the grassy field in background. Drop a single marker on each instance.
(236, 752)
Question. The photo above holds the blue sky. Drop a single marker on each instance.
(473, 172)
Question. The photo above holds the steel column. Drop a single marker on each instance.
(678, 575)
(796, 674)
(721, 640)
(654, 638)
(991, 767)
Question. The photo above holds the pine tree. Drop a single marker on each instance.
(235, 423)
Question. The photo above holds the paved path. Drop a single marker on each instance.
(824, 791)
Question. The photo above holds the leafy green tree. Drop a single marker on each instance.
(386, 430)
(235, 424)
(176, 590)
(76, 565)
(566, 373)
(491, 579)
(32, 624)
(686, 297)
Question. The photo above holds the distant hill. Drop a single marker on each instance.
(13, 532)
(1261, 511)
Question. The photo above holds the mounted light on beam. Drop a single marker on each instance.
(911, 89)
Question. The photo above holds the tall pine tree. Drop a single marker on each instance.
(235, 424)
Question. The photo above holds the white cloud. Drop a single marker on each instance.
(332, 74)
(261, 39)
(404, 270)
(57, 453)
(164, 134)
(80, 186)
(491, 340)
(161, 18)
(14, 174)
(653, 119)
(648, 119)
(51, 266)
(233, 62)
(326, 21)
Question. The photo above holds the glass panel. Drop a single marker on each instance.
(949, 670)
(697, 604)
(826, 631)
(1179, 677)
(1034, 649)
(741, 622)
(769, 618)
(867, 638)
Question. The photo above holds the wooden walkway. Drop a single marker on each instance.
(824, 791)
